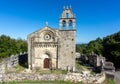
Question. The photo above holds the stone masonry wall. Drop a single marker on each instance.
(66, 49)
(73, 77)
(12, 61)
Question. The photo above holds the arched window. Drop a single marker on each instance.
(70, 23)
(64, 23)
(67, 15)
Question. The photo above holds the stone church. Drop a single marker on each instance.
(50, 48)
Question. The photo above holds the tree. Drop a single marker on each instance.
(95, 46)
(9, 46)
(81, 48)
(112, 48)
(109, 47)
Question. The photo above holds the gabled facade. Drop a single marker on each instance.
(53, 49)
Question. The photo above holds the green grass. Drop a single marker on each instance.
(79, 66)
(51, 72)
(1, 60)
(19, 68)
(41, 82)
(16, 69)
(109, 81)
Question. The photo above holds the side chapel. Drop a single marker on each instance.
(50, 48)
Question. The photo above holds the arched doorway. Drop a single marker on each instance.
(47, 60)
(46, 63)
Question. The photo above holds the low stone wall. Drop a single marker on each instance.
(2, 68)
(73, 77)
(13, 60)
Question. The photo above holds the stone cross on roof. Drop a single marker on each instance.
(46, 23)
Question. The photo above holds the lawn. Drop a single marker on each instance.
(41, 82)
(109, 81)
(81, 67)
(51, 72)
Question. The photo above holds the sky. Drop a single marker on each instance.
(94, 18)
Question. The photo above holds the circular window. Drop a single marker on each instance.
(47, 37)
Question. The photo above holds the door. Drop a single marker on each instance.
(46, 63)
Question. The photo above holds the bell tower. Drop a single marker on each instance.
(67, 19)
(67, 40)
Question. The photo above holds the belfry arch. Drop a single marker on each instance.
(67, 20)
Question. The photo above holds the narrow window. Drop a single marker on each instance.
(67, 15)
(70, 22)
(64, 23)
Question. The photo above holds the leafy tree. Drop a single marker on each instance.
(112, 48)
(95, 46)
(81, 48)
(109, 47)
(9, 46)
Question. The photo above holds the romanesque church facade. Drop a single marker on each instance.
(50, 48)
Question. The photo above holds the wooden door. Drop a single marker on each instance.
(46, 63)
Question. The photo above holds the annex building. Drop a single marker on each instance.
(50, 48)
